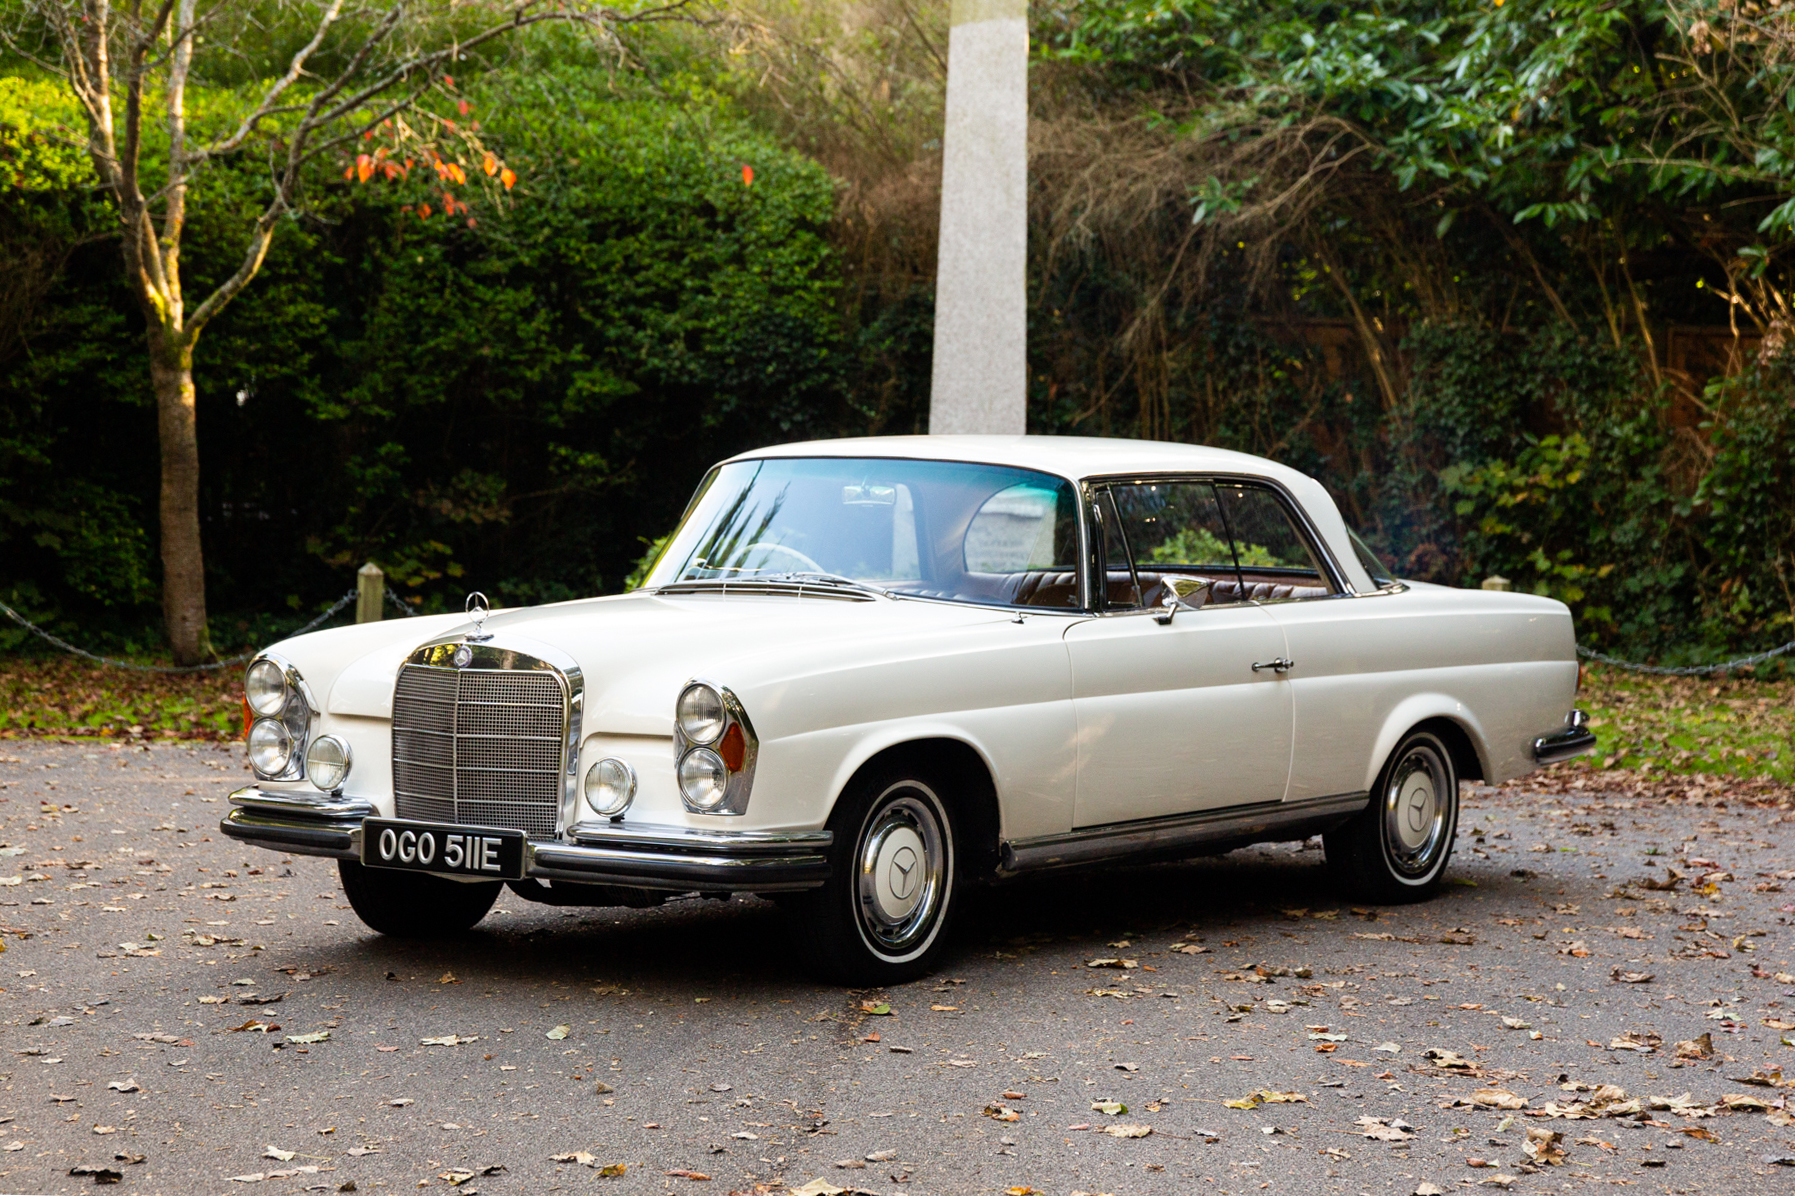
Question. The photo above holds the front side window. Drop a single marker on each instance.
(940, 529)
(1205, 542)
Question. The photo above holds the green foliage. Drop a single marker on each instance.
(510, 401)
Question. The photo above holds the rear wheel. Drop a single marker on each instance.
(1396, 849)
(883, 916)
(415, 904)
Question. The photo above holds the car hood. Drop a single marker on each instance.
(636, 650)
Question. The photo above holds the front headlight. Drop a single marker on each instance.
(327, 762)
(714, 749)
(700, 713)
(265, 686)
(278, 697)
(270, 747)
(703, 779)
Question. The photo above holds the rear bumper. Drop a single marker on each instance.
(1572, 741)
(644, 856)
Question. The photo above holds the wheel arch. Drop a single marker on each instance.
(973, 797)
(1450, 719)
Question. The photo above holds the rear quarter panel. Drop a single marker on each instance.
(1501, 666)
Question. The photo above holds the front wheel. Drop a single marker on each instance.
(1396, 849)
(883, 916)
(415, 904)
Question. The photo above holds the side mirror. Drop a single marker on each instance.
(1176, 596)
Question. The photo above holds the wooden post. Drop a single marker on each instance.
(370, 593)
(1496, 581)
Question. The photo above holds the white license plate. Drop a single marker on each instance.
(489, 852)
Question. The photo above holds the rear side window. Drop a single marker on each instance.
(1206, 543)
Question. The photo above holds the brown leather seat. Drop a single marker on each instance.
(1046, 587)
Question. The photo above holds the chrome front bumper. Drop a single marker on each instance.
(1572, 741)
(612, 853)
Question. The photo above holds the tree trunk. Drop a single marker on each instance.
(183, 564)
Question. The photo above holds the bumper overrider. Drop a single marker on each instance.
(614, 853)
(1572, 741)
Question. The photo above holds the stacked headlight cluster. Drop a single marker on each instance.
(716, 748)
(281, 747)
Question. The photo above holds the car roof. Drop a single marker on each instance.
(1074, 457)
(1080, 457)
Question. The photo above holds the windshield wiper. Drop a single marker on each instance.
(833, 579)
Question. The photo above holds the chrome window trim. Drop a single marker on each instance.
(741, 781)
(502, 651)
(1305, 526)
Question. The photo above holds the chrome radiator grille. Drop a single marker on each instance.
(479, 746)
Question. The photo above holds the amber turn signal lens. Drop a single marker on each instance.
(734, 748)
(249, 718)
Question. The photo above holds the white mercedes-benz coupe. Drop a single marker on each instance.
(864, 674)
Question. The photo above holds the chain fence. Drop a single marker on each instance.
(59, 642)
(1689, 670)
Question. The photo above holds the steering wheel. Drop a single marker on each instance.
(806, 562)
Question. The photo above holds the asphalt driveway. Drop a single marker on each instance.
(196, 1016)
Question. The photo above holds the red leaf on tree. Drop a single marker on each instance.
(470, 222)
(747, 175)
(364, 167)
(507, 177)
(449, 79)
(423, 211)
(349, 171)
(456, 173)
(490, 163)
(462, 105)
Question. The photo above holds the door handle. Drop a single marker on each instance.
(1280, 665)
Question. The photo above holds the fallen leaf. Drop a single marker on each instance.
(1385, 1129)
(1110, 1108)
(556, 1035)
(1498, 1098)
(124, 1086)
(308, 1039)
(1002, 1113)
(1123, 964)
(1620, 977)
(1544, 1146)
(279, 1155)
(1696, 1048)
(1125, 1131)
(822, 1187)
(448, 1040)
(100, 1174)
(683, 1174)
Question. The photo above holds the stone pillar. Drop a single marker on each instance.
(980, 379)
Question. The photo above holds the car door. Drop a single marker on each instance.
(1337, 679)
(1172, 715)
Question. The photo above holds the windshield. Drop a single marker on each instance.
(938, 529)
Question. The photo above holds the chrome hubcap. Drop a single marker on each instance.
(1417, 808)
(901, 870)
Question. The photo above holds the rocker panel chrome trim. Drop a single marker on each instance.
(1159, 837)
